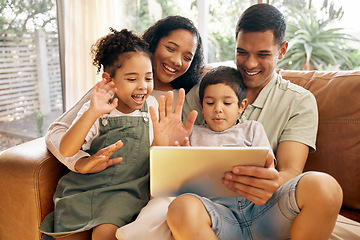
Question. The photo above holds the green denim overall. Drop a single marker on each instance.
(115, 195)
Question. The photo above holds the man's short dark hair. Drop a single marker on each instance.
(260, 18)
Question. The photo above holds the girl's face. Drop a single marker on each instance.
(134, 82)
(220, 107)
(172, 57)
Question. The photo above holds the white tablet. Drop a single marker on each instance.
(177, 170)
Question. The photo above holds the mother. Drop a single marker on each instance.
(177, 63)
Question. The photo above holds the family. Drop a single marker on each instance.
(106, 144)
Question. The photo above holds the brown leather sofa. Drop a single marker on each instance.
(29, 172)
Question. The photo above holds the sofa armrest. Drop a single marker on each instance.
(28, 178)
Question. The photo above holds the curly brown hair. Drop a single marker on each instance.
(107, 50)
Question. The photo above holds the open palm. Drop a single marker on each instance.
(169, 129)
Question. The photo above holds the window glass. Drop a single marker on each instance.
(30, 84)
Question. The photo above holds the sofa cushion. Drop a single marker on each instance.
(338, 139)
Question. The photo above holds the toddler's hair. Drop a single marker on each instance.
(226, 75)
(107, 50)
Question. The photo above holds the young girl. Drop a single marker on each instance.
(93, 206)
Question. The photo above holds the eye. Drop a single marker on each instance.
(242, 53)
(149, 79)
(263, 55)
(188, 59)
(209, 103)
(227, 103)
(170, 49)
(131, 79)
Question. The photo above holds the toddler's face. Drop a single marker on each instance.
(134, 82)
(220, 107)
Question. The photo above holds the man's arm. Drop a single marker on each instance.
(291, 158)
(258, 184)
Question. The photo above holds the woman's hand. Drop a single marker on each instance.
(168, 129)
(99, 161)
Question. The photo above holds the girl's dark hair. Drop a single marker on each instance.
(260, 18)
(163, 28)
(107, 50)
(226, 75)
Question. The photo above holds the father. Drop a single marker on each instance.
(278, 203)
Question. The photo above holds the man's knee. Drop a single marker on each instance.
(319, 189)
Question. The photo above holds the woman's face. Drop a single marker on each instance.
(172, 57)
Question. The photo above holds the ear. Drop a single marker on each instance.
(243, 105)
(201, 107)
(283, 49)
(106, 76)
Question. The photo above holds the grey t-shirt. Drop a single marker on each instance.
(246, 133)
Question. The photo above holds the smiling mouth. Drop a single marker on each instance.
(251, 73)
(138, 98)
(169, 68)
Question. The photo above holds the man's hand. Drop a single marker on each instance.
(256, 184)
(168, 129)
(99, 161)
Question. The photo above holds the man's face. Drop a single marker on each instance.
(256, 57)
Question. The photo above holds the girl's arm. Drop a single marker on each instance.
(74, 138)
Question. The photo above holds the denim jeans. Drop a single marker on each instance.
(238, 218)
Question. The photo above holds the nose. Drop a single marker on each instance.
(251, 62)
(218, 108)
(176, 60)
(142, 84)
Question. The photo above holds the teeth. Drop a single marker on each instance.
(169, 68)
(252, 74)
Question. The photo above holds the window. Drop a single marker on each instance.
(30, 86)
(31, 90)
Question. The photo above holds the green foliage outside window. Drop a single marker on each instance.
(314, 45)
(22, 16)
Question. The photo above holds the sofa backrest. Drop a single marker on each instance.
(338, 138)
